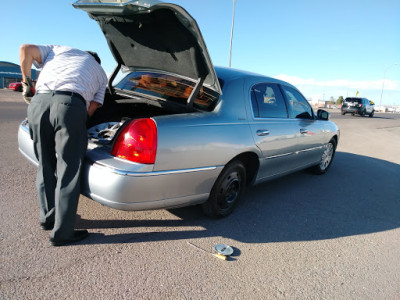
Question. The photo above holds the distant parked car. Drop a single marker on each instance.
(17, 86)
(176, 131)
(360, 106)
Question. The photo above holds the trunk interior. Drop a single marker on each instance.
(118, 109)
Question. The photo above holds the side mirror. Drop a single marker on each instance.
(323, 115)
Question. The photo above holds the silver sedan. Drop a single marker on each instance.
(176, 131)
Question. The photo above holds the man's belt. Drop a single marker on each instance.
(72, 94)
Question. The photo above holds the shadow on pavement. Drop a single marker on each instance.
(359, 195)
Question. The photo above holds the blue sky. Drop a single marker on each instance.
(326, 48)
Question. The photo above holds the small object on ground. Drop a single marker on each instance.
(223, 249)
(218, 255)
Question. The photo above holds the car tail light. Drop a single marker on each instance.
(137, 142)
(360, 105)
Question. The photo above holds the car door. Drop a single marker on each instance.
(309, 130)
(272, 130)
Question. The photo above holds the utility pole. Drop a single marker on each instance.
(383, 82)
(233, 23)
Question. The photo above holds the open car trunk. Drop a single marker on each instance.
(161, 44)
(145, 94)
(117, 111)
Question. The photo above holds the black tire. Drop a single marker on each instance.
(362, 113)
(326, 158)
(19, 89)
(227, 190)
(371, 114)
(343, 113)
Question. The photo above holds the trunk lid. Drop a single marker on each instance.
(152, 35)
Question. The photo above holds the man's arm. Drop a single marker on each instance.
(27, 54)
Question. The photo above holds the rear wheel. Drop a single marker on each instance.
(362, 113)
(343, 113)
(226, 191)
(326, 159)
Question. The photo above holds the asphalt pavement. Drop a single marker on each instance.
(303, 236)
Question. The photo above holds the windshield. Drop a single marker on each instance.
(168, 87)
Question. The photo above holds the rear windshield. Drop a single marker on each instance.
(169, 88)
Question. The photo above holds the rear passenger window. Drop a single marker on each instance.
(267, 101)
(298, 106)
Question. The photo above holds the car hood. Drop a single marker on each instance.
(153, 35)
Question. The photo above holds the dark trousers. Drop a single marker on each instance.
(58, 129)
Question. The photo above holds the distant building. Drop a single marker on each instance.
(316, 102)
(10, 72)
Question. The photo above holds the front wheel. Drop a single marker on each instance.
(226, 191)
(326, 159)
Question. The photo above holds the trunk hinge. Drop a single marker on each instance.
(113, 75)
(193, 95)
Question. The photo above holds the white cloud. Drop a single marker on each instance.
(325, 90)
(393, 85)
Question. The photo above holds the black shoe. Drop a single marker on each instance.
(78, 236)
(47, 225)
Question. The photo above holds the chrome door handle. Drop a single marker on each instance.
(262, 132)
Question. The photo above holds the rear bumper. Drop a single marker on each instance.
(128, 186)
(354, 110)
(124, 190)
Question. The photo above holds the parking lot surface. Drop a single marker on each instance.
(302, 236)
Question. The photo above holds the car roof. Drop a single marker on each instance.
(230, 74)
(355, 98)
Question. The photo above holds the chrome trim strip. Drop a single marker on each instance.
(149, 174)
(280, 155)
(295, 153)
(310, 149)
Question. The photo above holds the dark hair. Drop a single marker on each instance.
(96, 57)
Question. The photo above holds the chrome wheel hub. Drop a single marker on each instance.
(326, 156)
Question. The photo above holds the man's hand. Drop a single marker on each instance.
(92, 108)
(27, 54)
(27, 90)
